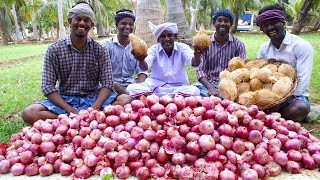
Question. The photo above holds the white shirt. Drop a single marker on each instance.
(298, 53)
(170, 70)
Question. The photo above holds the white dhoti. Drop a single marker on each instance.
(152, 86)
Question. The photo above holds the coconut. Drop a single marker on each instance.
(247, 98)
(139, 46)
(278, 75)
(272, 67)
(224, 74)
(255, 84)
(256, 63)
(265, 97)
(265, 75)
(283, 86)
(253, 73)
(287, 70)
(243, 87)
(235, 63)
(240, 75)
(267, 86)
(228, 89)
(201, 39)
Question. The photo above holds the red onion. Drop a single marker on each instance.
(256, 124)
(32, 169)
(191, 101)
(226, 129)
(209, 114)
(273, 169)
(294, 144)
(232, 156)
(67, 154)
(178, 159)
(65, 169)
(313, 147)
(206, 142)
(178, 142)
(88, 143)
(194, 120)
(280, 158)
(308, 162)
(142, 145)
(193, 148)
(122, 157)
(221, 149)
(162, 157)
(137, 133)
(112, 120)
(227, 174)
(206, 127)
(261, 156)
(241, 132)
(26, 157)
(293, 167)
(17, 169)
(255, 136)
(158, 170)
(221, 117)
(83, 172)
(4, 166)
(142, 173)
(259, 169)
(226, 142)
(238, 146)
(149, 134)
(249, 174)
(47, 147)
(46, 170)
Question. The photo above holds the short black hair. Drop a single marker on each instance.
(120, 16)
(83, 1)
(270, 7)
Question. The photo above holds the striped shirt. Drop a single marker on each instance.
(124, 64)
(74, 73)
(217, 57)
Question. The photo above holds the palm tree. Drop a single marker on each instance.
(5, 34)
(62, 29)
(194, 16)
(16, 24)
(147, 10)
(175, 13)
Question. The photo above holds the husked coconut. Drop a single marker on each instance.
(253, 73)
(267, 86)
(256, 63)
(240, 75)
(272, 67)
(139, 46)
(265, 75)
(247, 98)
(228, 89)
(224, 74)
(283, 86)
(265, 97)
(255, 84)
(278, 75)
(201, 39)
(243, 87)
(235, 63)
(287, 70)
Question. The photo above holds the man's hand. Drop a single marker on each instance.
(199, 49)
(213, 92)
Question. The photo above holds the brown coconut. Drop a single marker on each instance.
(201, 39)
(272, 67)
(228, 89)
(283, 86)
(267, 86)
(243, 87)
(265, 75)
(224, 74)
(256, 63)
(253, 73)
(287, 70)
(265, 97)
(235, 63)
(255, 84)
(240, 75)
(278, 75)
(247, 98)
(139, 46)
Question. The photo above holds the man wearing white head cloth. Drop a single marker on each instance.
(167, 59)
(81, 68)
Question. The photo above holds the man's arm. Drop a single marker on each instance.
(104, 93)
(57, 100)
(211, 89)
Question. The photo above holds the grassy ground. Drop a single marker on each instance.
(21, 67)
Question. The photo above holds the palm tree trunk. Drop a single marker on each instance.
(35, 34)
(194, 16)
(62, 30)
(280, 3)
(23, 28)
(16, 24)
(316, 25)
(234, 27)
(148, 11)
(5, 35)
(176, 14)
(100, 30)
(299, 24)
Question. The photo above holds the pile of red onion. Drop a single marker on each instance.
(185, 138)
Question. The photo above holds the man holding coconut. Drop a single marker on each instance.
(76, 72)
(292, 49)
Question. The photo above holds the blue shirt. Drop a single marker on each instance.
(124, 64)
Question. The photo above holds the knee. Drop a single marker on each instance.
(296, 111)
(28, 115)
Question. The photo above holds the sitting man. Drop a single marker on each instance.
(292, 49)
(80, 66)
(223, 48)
(167, 59)
(124, 64)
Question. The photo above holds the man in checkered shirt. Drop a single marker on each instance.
(77, 72)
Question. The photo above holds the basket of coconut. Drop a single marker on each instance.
(265, 83)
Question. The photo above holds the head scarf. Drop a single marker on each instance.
(223, 12)
(273, 14)
(82, 9)
(157, 30)
(123, 14)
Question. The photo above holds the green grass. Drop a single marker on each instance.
(21, 67)
(19, 51)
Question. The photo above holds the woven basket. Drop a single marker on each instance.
(278, 62)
